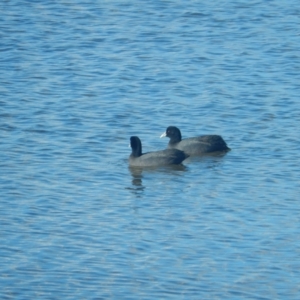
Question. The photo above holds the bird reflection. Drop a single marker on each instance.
(137, 183)
(137, 175)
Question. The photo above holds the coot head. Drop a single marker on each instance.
(173, 133)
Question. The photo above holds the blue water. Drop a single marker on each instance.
(78, 78)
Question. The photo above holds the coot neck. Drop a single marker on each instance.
(175, 139)
(136, 150)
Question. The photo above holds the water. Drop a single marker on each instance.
(77, 79)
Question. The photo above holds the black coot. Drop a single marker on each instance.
(196, 145)
(153, 159)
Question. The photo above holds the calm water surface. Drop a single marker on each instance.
(78, 78)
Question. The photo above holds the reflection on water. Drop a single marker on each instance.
(137, 174)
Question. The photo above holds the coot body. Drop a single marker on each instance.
(153, 159)
(195, 145)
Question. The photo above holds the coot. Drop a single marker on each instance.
(153, 159)
(195, 145)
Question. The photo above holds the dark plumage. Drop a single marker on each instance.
(153, 159)
(195, 145)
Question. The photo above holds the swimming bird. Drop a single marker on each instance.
(153, 159)
(195, 145)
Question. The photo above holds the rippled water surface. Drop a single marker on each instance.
(78, 78)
